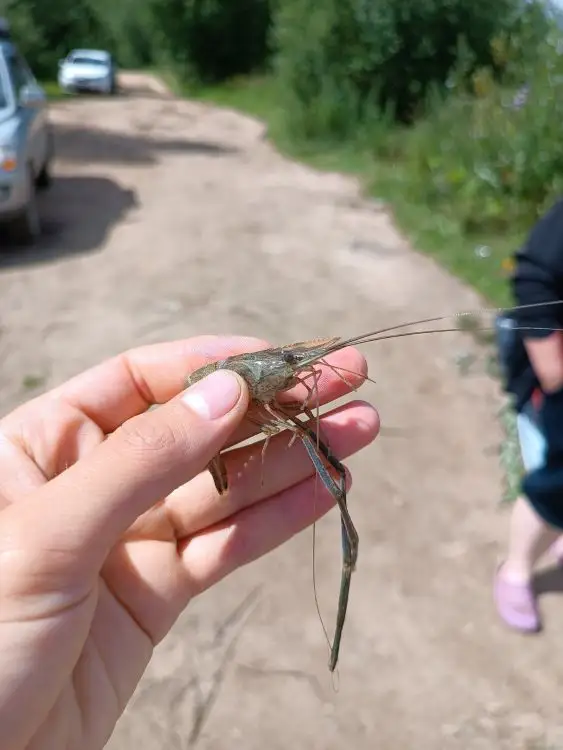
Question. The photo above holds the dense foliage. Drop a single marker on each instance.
(489, 152)
(340, 61)
(331, 55)
(211, 40)
(45, 31)
(466, 94)
(207, 39)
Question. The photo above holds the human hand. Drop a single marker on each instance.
(546, 357)
(110, 524)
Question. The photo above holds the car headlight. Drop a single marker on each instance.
(8, 159)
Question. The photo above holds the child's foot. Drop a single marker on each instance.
(516, 603)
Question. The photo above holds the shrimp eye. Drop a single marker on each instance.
(289, 358)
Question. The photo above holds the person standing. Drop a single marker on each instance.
(532, 355)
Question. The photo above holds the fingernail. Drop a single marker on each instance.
(214, 396)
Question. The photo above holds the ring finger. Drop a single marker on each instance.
(196, 505)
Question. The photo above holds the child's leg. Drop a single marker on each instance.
(529, 538)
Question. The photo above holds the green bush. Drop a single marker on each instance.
(494, 158)
(45, 32)
(212, 40)
(340, 63)
(206, 40)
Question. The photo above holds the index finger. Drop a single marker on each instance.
(126, 385)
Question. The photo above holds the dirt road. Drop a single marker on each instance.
(170, 218)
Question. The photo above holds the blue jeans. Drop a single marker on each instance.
(533, 445)
(541, 443)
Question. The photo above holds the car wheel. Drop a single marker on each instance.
(26, 228)
(44, 178)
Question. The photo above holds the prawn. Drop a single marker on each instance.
(269, 372)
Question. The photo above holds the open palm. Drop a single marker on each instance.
(109, 525)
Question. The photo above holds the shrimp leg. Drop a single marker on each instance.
(218, 471)
(317, 450)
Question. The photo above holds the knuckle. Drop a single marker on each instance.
(148, 436)
(237, 546)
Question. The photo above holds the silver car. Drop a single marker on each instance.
(26, 143)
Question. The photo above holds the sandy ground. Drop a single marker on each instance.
(170, 218)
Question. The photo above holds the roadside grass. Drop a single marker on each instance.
(53, 91)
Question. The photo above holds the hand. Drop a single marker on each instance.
(546, 357)
(110, 524)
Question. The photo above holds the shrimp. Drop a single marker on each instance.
(269, 372)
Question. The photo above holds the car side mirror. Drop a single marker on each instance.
(31, 96)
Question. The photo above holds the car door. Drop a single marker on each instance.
(32, 108)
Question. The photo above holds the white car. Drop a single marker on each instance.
(88, 70)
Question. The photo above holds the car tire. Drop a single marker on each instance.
(44, 178)
(25, 229)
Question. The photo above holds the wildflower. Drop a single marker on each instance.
(521, 97)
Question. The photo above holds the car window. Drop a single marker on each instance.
(18, 71)
(3, 94)
(88, 61)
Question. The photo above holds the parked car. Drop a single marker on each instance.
(88, 70)
(26, 142)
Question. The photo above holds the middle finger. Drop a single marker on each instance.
(196, 505)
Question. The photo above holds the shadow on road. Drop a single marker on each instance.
(77, 214)
(96, 146)
(79, 211)
(549, 581)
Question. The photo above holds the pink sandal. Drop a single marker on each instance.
(516, 604)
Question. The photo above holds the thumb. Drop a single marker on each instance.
(90, 505)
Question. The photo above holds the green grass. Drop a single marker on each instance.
(478, 259)
(31, 382)
(54, 93)
(386, 178)
(255, 96)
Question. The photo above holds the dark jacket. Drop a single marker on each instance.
(537, 278)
